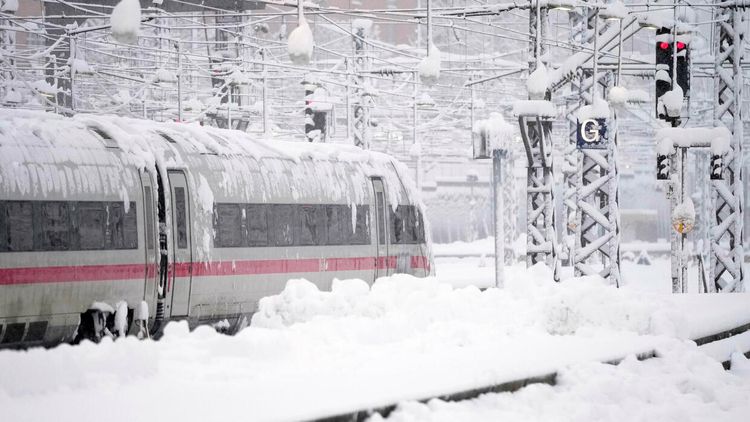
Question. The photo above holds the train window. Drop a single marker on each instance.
(407, 225)
(181, 217)
(379, 207)
(282, 225)
(92, 223)
(398, 226)
(149, 207)
(361, 235)
(54, 228)
(228, 225)
(419, 226)
(311, 225)
(131, 228)
(3, 233)
(19, 226)
(339, 224)
(122, 227)
(257, 225)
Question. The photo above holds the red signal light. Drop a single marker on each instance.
(664, 45)
(680, 45)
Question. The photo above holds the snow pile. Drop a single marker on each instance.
(740, 365)
(538, 83)
(533, 302)
(80, 66)
(193, 104)
(364, 25)
(614, 10)
(681, 385)
(320, 100)
(721, 141)
(164, 75)
(638, 96)
(12, 97)
(496, 130)
(717, 138)
(429, 67)
(534, 108)
(598, 110)
(121, 318)
(654, 20)
(671, 101)
(619, 95)
(300, 44)
(126, 21)
(43, 87)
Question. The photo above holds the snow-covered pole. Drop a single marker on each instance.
(683, 236)
(264, 91)
(674, 47)
(596, 55)
(678, 235)
(415, 141)
(179, 80)
(71, 62)
(348, 99)
(429, 26)
(619, 57)
(499, 206)
(361, 126)
(472, 117)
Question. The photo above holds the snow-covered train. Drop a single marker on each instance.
(116, 225)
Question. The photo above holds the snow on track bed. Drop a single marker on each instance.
(683, 385)
(312, 354)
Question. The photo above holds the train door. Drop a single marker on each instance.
(182, 260)
(149, 234)
(381, 227)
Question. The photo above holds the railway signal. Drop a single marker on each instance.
(662, 167)
(666, 50)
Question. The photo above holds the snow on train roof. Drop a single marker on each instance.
(81, 144)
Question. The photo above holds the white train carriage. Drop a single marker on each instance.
(100, 215)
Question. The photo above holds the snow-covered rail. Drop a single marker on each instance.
(716, 345)
(504, 387)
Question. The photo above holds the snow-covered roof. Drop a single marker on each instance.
(45, 154)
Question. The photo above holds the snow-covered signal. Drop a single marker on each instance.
(666, 49)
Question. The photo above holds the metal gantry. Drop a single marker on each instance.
(536, 131)
(578, 37)
(597, 235)
(727, 254)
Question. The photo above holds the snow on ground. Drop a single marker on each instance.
(682, 385)
(310, 354)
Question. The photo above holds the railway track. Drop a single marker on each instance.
(549, 378)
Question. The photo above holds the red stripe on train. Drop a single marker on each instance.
(420, 262)
(61, 274)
